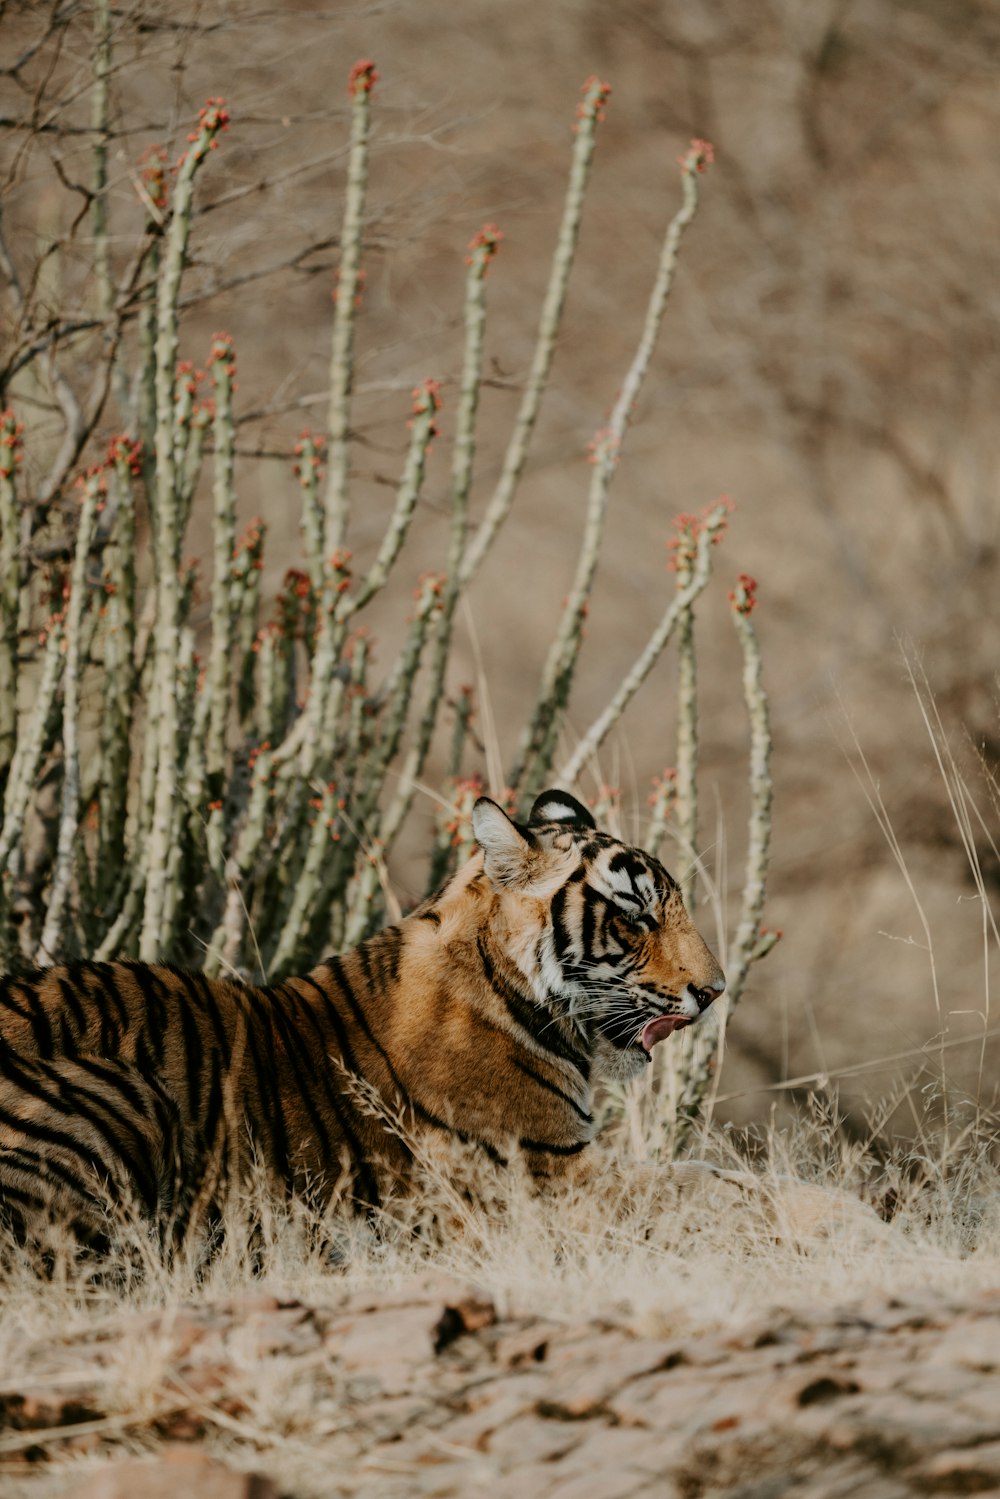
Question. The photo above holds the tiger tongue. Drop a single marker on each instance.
(660, 1028)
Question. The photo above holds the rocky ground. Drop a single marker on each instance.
(433, 1391)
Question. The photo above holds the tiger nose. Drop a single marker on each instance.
(704, 997)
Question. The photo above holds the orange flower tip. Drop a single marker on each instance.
(699, 155)
(362, 78)
(595, 97)
(488, 240)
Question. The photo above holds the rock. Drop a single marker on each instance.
(469, 1314)
(175, 1473)
(963, 1470)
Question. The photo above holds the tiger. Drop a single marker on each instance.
(553, 961)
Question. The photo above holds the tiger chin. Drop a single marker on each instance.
(556, 958)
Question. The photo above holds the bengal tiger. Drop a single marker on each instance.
(557, 957)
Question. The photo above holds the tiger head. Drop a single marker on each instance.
(597, 928)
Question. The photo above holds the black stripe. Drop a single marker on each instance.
(34, 1129)
(16, 1198)
(265, 1077)
(531, 1017)
(116, 1075)
(336, 1101)
(369, 1188)
(302, 1064)
(211, 1111)
(543, 1082)
(69, 992)
(194, 1051)
(389, 948)
(203, 1104)
(588, 936)
(431, 916)
(109, 975)
(154, 1017)
(560, 929)
(9, 998)
(41, 1025)
(36, 1164)
(205, 995)
(545, 1149)
(336, 967)
(108, 1038)
(113, 1130)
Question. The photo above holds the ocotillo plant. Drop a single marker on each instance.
(238, 803)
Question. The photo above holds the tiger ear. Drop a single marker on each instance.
(510, 851)
(559, 806)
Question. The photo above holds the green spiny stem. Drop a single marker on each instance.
(119, 672)
(194, 768)
(185, 388)
(86, 914)
(442, 855)
(225, 602)
(662, 801)
(362, 80)
(270, 789)
(118, 939)
(144, 387)
(606, 452)
(187, 686)
(101, 67)
(168, 534)
(423, 430)
(357, 781)
(686, 804)
(94, 488)
(269, 698)
(746, 944)
(590, 112)
(244, 599)
(359, 721)
(539, 769)
(397, 696)
(201, 420)
(750, 943)
(483, 249)
(31, 746)
(141, 819)
(11, 580)
(460, 732)
(454, 831)
(99, 120)
(307, 884)
(227, 939)
(307, 887)
(361, 912)
(308, 469)
(338, 604)
(687, 591)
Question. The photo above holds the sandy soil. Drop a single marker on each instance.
(433, 1391)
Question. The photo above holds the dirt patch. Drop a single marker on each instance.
(350, 1397)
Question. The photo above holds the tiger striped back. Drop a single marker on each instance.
(556, 957)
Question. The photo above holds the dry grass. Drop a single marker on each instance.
(814, 1218)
